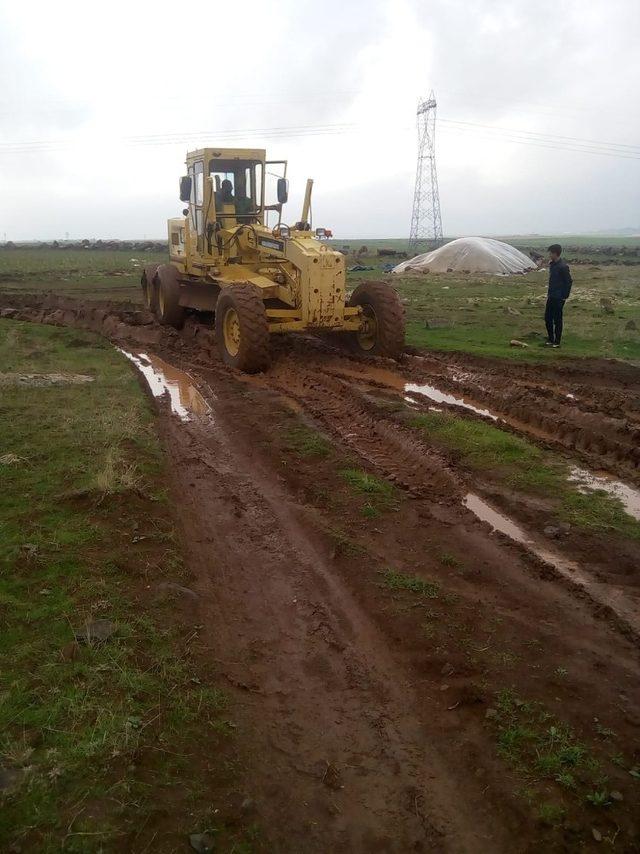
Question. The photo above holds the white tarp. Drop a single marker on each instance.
(470, 255)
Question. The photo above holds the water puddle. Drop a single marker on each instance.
(587, 482)
(438, 396)
(605, 594)
(162, 378)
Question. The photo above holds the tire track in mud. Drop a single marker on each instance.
(335, 754)
(390, 448)
(601, 424)
(328, 700)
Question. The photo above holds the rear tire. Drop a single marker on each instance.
(242, 331)
(382, 332)
(149, 289)
(169, 310)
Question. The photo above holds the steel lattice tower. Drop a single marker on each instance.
(426, 220)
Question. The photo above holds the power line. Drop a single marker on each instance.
(532, 133)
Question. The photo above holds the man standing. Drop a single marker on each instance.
(560, 282)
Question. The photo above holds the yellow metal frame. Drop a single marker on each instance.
(301, 279)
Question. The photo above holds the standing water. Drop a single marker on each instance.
(162, 378)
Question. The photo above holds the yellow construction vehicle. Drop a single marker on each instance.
(226, 258)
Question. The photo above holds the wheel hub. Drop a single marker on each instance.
(231, 330)
(368, 332)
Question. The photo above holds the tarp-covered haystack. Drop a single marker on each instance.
(470, 255)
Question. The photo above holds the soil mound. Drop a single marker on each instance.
(470, 255)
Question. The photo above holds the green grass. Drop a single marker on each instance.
(523, 466)
(86, 274)
(477, 311)
(98, 734)
(546, 751)
(475, 307)
(380, 494)
(304, 442)
(411, 583)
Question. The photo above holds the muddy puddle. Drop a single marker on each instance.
(604, 594)
(165, 379)
(587, 482)
(438, 396)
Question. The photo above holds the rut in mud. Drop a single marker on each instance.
(361, 729)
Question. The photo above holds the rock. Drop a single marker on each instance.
(596, 834)
(248, 806)
(490, 714)
(202, 842)
(616, 796)
(516, 343)
(552, 531)
(96, 631)
(171, 586)
(447, 670)
(631, 325)
(513, 311)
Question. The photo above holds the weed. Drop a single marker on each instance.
(551, 814)
(370, 511)
(343, 544)
(380, 494)
(566, 779)
(304, 442)
(399, 581)
(598, 799)
(447, 559)
(603, 731)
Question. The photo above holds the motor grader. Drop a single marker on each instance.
(258, 278)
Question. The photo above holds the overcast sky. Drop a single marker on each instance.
(100, 102)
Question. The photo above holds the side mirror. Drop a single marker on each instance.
(283, 191)
(185, 188)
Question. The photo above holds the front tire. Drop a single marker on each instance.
(169, 310)
(242, 331)
(383, 326)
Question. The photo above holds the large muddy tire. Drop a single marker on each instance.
(169, 311)
(149, 289)
(242, 332)
(382, 331)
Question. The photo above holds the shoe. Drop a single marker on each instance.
(555, 346)
(549, 344)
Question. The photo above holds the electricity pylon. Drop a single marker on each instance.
(426, 220)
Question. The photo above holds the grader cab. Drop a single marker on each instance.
(232, 254)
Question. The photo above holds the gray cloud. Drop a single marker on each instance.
(561, 68)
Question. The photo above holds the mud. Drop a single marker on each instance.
(362, 713)
(162, 378)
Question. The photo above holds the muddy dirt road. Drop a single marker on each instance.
(369, 718)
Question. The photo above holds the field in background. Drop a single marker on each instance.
(478, 314)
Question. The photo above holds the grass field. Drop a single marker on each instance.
(477, 314)
(96, 739)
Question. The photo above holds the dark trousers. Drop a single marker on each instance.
(553, 318)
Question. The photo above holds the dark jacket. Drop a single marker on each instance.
(560, 280)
